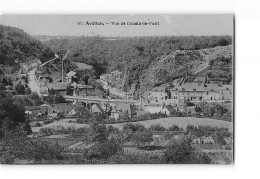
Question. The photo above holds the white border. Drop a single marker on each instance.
(247, 157)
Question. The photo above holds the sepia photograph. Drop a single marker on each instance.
(117, 89)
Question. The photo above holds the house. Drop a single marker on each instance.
(70, 76)
(60, 87)
(167, 110)
(211, 92)
(37, 111)
(83, 66)
(95, 108)
(123, 109)
(140, 113)
(194, 93)
(158, 140)
(228, 140)
(66, 109)
(36, 114)
(104, 77)
(152, 108)
(80, 89)
(20, 81)
(225, 92)
(53, 116)
(200, 79)
(157, 95)
(207, 140)
(32, 63)
(196, 140)
(44, 90)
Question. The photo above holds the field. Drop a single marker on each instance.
(62, 123)
(182, 122)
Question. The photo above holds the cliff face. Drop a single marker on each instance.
(212, 62)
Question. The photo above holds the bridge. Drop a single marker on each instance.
(98, 100)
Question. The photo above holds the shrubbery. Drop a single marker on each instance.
(216, 111)
(16, 145)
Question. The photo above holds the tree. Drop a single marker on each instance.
(181, 152)
(133, 127)
(20, 89)
(18, 146)
(174, 128)
(102, 150)
(142, 138)
(12, 115)
(98, 131)
(157, 127)
(28, 91)
(54, 97)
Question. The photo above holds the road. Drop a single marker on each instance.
(33, 84)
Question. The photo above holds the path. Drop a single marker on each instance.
(33, 84)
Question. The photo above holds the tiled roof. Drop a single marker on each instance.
(62, 107)
(196, 87)
(58, 86)
(125, 108)
(226, 87)
(159, 89)
(71, 73)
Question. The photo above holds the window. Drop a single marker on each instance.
(207, 93)
(183, 89)
(194, 89)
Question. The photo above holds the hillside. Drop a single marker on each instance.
(111, 55)
(214, 63)
(18, 45)
(148, 61)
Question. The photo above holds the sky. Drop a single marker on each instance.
(169, 25)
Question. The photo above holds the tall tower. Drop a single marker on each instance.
(62, 71)
(62, 65)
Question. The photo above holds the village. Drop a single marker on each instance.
(178, 96)
(179, 99)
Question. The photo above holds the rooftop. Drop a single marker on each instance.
(196, 87)
(71, 73)
(83, 66)
(58, 86)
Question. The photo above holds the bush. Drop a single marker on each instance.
(18, 146)
(38, 124)
(47, 131)
(181, 152)
(142, 138)
(174, 128)
(133, 127)
(157, 127)
(102, 150)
